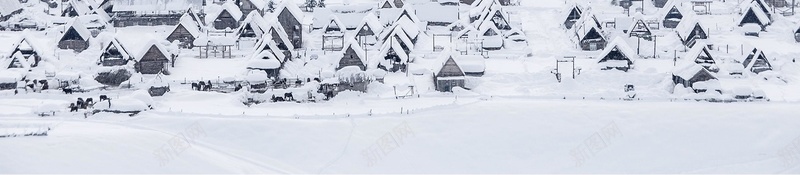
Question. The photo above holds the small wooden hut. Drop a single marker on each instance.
(449, 76)
(617, 55)
(185, 32)
(114, 54)
(153, 59)
(75, 37)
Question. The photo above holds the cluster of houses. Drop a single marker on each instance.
(390, 31)
(698, 68)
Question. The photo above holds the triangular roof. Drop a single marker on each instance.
(395, 46)
(639, 26)
(749, 60)
(115, 43)
(17, 56)
(153, 44)
(449, 68)
(488, 29)
(674, 8)
(753, 10)
(696, 51)
(256, 22)
(372, 23)
(691, 70)
(189, 24)
(352, 45)
(589, 32)
(488, 18)
(400, 34)
(268, 48)
(687, 26)
(410, 13)
(619, 45)
(23, 43)
(228, 7)
(765, 7)
(275, 28)
(386, 4)
(292, 8)
(77, 26)
(335, 23)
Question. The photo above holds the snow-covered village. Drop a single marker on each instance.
(399, 86)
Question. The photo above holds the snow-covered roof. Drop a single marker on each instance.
(276, 27)
(398, 49)
(271, 63)
(335, 22)
(387, 4)
(487, 18)
(23, 43)
(638, 25)
(155, 6)
(291, 7)
(699, 48)
(675, 4)
(9, 6)
(688, 70)
(267, 48)
(256, 22)
(6, 62)
(620, 45)
(371, 21)
(78, 26)
(433, 12)
(187, 22)
(448, 60)
(353, 44)
(753, 8)
(139, 55)
(485, 31)
(229, 7)
(399, 34)
(712, 84)
(687, 25)
(121, 48)
(471, 63)
(7, 76)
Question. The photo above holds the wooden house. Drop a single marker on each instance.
(756, 62)
(754, 15)
(573, 14)
(700, 55)
(353, 55)
(589, 35)
(114, 54)
(290, 18)
(640, 29)
(31, 53)
(253, 26)
(76, 37)
(404, 26)
(690, 31)
(268, 58)
(154, 59)
(185, 32)
(449, 76)
(9, 9)
(591, 39)
(617, 55)
(673, 15)
(227, 17)
(368, 30)
(696, 77)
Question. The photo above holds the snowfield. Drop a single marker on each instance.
(499, 135)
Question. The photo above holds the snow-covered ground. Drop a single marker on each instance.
(499, 135)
